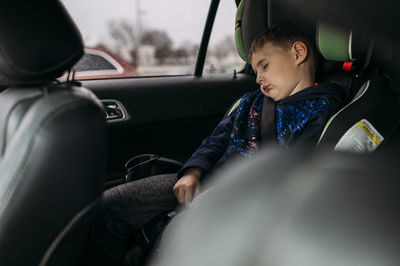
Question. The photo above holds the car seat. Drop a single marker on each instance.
(52, 138)
(348, 60)
(254, 16)
(369, 118)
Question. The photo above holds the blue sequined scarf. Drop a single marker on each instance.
(292, 114)
(246, 133)
(291, 119)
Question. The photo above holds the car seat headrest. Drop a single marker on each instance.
(340, 44)
(251, 20)
(334, 43)
(36, 45)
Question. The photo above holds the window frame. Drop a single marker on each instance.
(201, 56)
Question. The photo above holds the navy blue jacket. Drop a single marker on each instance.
(296, 125)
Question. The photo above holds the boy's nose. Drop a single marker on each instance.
(259, 79)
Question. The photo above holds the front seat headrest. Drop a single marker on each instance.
(30, 50)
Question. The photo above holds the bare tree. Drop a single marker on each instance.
(224, 47)
(124, 34)
(125, 38)
(161, 41)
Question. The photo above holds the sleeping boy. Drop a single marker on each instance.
(285, 65)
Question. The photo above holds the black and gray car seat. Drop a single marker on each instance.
(370, 114)
(52, 139)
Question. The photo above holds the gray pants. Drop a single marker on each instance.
(125, 208)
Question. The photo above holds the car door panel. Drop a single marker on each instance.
(169, 116)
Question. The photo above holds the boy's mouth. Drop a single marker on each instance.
(266, 88)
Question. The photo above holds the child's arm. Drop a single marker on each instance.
(202, 161)
(212, 148)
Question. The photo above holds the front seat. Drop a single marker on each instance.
(331, 209)
(52, 138)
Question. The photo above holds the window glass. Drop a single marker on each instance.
(96, 62)
(138, 38)
(222, 56)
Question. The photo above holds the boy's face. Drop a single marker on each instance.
(278, 71)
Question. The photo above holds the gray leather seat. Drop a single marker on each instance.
(327, 208)
(52, 138)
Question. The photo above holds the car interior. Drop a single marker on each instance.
(63, 142)
(327, 208)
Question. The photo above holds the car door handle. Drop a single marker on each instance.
(114, 111)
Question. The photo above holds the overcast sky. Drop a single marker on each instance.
(183, 20)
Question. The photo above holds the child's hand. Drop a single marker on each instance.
(188, 186)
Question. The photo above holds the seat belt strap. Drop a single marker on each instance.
(268, 124)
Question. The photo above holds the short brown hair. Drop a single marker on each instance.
(284, 35)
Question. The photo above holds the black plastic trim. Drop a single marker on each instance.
(201, 57)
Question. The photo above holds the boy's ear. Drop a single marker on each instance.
(299, 50)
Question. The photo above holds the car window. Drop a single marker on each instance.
(138, 38)
(222, 56)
